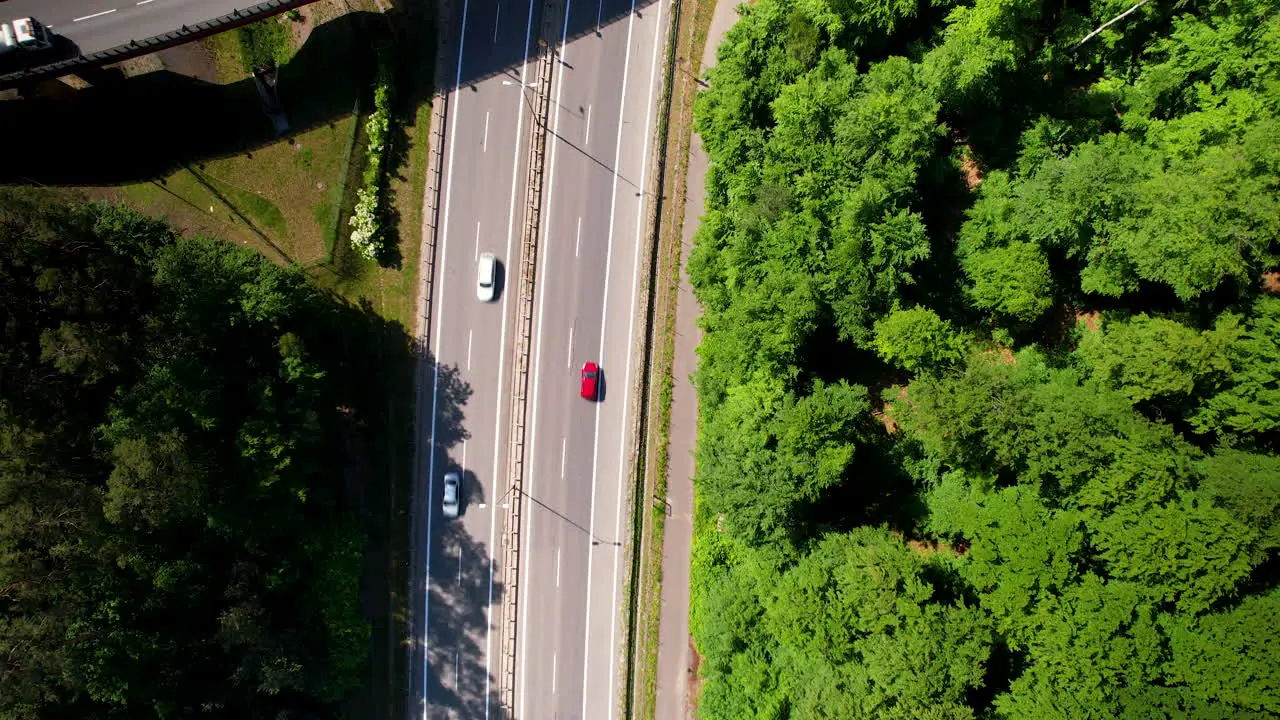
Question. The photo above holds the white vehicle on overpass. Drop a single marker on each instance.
(23, 34)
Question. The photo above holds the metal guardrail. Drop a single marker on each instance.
(520, 368)
(134, 48)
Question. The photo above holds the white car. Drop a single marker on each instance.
(486, 277)
(30, 34)
(450, 505)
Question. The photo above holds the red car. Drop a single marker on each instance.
(590, 376)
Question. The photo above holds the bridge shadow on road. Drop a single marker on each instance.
(134, 129)
(482, 60)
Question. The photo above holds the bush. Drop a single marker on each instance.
(367, 235)
(264, 44)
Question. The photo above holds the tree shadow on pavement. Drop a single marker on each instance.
(451, 584)
(458, 627)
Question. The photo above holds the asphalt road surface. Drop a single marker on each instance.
(575, 527)
(96, 25)
(482, 210)
(603, 97)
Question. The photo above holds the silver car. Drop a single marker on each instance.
(486, 276)
(450, 505)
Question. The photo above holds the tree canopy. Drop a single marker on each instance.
(989, 389)
(176, 539)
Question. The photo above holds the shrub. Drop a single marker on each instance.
(263, 44)
(367, 235)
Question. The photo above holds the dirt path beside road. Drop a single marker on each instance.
(676, 675)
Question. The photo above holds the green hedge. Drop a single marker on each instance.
(367, 234)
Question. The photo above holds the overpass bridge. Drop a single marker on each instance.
(95, 32)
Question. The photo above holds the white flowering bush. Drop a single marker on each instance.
(366, 221)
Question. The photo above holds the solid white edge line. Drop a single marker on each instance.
(438, 315)
(527, 532)
(635, 280)
(604, 323)
(502, 350)
(90, 17)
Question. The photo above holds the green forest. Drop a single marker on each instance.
(990, 378)
(178, 423)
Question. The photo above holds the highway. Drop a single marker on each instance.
(485, 155)
(575, 531)
(96, 25)
(604, 92)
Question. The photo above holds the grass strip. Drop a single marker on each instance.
(334, 232)
(262, 212)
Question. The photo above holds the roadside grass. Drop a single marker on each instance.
(259, 209)
(694, 24)
(280, 199)
(225, 49)
(290, 198)
(284, 197)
